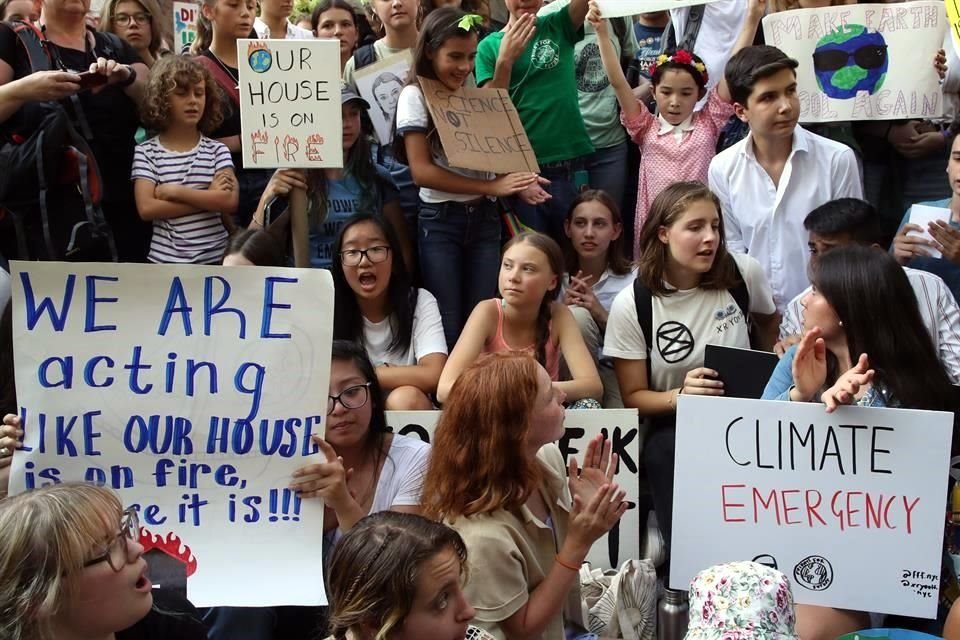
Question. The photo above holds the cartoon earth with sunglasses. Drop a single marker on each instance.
(850, 60)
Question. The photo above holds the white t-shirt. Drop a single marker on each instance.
(293, 31)
(683, 324)
(427, 335)
(401, 478)
(413, 116)
(607, 287)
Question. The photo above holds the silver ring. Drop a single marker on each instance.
(4, 452)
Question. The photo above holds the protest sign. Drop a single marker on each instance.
(480, 128)
(619, 8)
(953, 17)
(193, 391)
(620, 425)
(290, 103)
(184, 24)
(849, 505)
(863, 62)
(923, 215)
(380, 84)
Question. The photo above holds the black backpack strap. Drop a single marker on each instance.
(694, 21)
(643, 300)
(364, 56)
(739, 292)
(32, 41)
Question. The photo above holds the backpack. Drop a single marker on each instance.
(50, 185)
(643, 299)
(690, 33)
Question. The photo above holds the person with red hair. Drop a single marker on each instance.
(498, 478)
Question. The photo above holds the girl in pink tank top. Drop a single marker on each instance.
(528, 318)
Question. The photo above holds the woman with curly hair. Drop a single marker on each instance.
(184, 181)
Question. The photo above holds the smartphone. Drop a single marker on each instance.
(91, 80)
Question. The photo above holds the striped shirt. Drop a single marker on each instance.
(198, 238)
(939, 311)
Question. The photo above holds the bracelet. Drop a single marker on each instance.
(565, 565)
(673, 398)
(130, 79)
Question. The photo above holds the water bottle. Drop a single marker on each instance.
(672, 615)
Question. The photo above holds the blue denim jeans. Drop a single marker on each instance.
(459, 247)
(548, 217)
(607, 169)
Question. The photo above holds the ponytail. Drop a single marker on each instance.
(543, 329)
(204, 35)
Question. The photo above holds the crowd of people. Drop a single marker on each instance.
(676, 185)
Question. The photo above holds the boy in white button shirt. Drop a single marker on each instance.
(851, 221)
(770, 180)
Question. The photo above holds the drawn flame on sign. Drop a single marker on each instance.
(172, 545)
(256, 46)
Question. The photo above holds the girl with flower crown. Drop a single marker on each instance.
(677, 144)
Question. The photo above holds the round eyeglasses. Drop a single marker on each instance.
(124, 19)
(115, 552)
(351, 398)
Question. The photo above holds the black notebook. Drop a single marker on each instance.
(744, 373)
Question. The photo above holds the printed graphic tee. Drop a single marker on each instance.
(684, 323)
(543, 87)
(343, 200)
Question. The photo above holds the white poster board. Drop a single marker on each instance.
(290, 113)
(850, 505)
(191, 390)
(620, 425)
(185, 16)
(380, 84)
(923, 215)
(863, 62)
(618, 8)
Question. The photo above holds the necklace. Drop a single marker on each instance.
(226, 69)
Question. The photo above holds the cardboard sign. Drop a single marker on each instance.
(380, 84)
(863, 62)
(620, 425)
(849, 505)
(619, 8)
(185, 16)
(480, 128)
(192, 391)
(290, 113)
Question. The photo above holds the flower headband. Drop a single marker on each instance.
(470, 21)
(681, 56)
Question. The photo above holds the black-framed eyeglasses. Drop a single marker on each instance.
(115, 553)
(351, 398)
(124, 19)
(871, 56)
(353, 257)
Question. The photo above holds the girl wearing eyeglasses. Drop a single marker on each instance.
(136, 22)
(377, 307)
(368, 469)
(71, 567)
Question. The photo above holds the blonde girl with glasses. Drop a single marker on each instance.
(71, 567)
(377, 307)
(141, 23)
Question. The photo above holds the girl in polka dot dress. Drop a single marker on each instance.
(678, 143)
